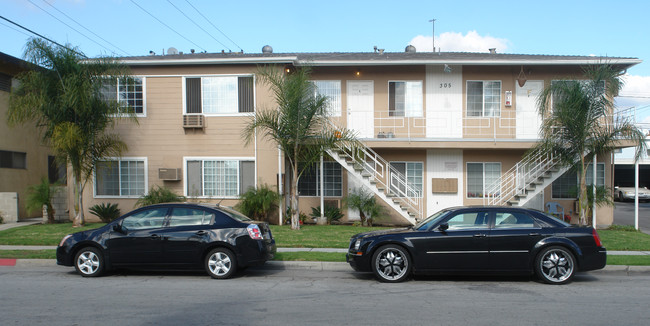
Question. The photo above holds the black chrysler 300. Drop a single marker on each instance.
(480, 240)
(171, 236)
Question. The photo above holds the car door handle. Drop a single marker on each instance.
(154, 237)
(480, 235)
(201, 232)
(534, 234)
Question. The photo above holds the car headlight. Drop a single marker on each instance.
(357, 244)
(64, 239)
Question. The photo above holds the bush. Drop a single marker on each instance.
(106, 212)
(367, 205)
(627, 228)
(258, 202)
(40, 195)
(2, 219)
(159, 195)
(332, 213)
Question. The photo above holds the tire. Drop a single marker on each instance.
(220, 263)
(391, 264)
(89, 262)
(555, 265)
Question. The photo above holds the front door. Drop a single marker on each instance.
(361, 107)
(528, 120)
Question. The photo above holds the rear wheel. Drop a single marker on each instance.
(220, 263)
(555, 265)
(391, 263)
(89, 262)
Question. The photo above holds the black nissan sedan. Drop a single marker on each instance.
(171, 236)
(480, 240)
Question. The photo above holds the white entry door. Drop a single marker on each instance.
(361, 107)
(528, 120)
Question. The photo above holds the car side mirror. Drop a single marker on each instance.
(443, 227)
(118, 228)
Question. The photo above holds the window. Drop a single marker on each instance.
(219, 177)
(5, 82)
(480, 176)
(309, 183)
(405, 98)
(189, 216)
(56, 172)
(147, 219)
(414, 175)
(513, 220)
(13, 160)
(121, 178)
(483, 98)
(129, 93)
(332, 90)
(469, 220)
(219, 95)
(566, 186)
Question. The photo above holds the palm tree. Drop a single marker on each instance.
(63, 96)
(579, 123)
(299, 125)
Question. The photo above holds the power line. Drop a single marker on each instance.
(113, 45)
(43, 37)
(64, 23)
(173, 30)
(215, 27)
(197, 25)
(15, 29)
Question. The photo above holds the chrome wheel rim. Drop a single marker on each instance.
(557, 265)
(88, 262)
(391, 264)
(219, 264)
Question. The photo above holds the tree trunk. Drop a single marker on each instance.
(295, 212)
(582, 199)
(79, 218)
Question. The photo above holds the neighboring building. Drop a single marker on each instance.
(449, 124)
(23, 159)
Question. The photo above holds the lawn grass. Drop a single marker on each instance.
(628, 260)
(28, 254)
(41, 234)
(625, 240)
(317, 236)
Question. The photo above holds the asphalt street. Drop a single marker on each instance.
(624, 215)
(55, 295)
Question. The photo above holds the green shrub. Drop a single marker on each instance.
(40, 195)
(367, 205)
(258, 202)
(159, 195)
(106, 212)
(628, 228)
(332, 213)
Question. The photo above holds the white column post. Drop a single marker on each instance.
(593, 205)
(636, 194)
(322, 190)
(280, 187)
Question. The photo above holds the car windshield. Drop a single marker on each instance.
(234, 214)
(431, 220)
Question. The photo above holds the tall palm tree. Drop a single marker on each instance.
(299, 125)
(579, 122)
(63, 96)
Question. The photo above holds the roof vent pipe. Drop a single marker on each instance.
(493, 50)
(410, 49)
(267, 49)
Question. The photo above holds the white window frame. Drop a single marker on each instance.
(213, 158)
(413, 112)
(589, 174)
(406, 169)
(119, 160)
(483, 115)
(229, 114)
(318, 186)
(484, 183)
(144, 97)
(333, 111)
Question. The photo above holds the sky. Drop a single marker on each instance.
(135, 27)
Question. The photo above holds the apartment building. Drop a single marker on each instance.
(440, 129)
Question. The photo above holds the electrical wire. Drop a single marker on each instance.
(15, 29)
(215, 27)
(173, 30)
(43, 37)
(113, 45)
(197, 25)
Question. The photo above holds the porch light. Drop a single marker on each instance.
(357, 73)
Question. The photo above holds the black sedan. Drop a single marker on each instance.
(171, 236)
(477, 240)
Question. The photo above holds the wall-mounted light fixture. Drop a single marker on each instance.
(447, 68)
(521, 79)
(357, 73)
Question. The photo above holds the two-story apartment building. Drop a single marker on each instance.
(449, 124)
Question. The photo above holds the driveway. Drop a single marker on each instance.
(624, 215)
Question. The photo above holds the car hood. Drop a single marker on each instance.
(631, 189)
(382, 232)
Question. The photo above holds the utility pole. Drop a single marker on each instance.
(433, 21)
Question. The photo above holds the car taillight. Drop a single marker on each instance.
(254, 232)
(596, 238)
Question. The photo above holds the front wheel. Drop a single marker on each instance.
(220, 263)
(555, 265)
(89, 262)
(391, 263)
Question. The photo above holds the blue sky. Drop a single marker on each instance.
(603, 28)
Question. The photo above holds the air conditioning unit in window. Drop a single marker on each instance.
(169, 174)
(193, 121)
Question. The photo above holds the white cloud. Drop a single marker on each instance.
(457, 42)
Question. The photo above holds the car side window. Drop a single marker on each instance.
(468, 220)
(189, 216)
(503, 220)
(147, 219)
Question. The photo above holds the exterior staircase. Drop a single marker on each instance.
(386, 182)
(524, 180)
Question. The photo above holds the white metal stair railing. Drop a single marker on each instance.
(524, 180)
(384, 180)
